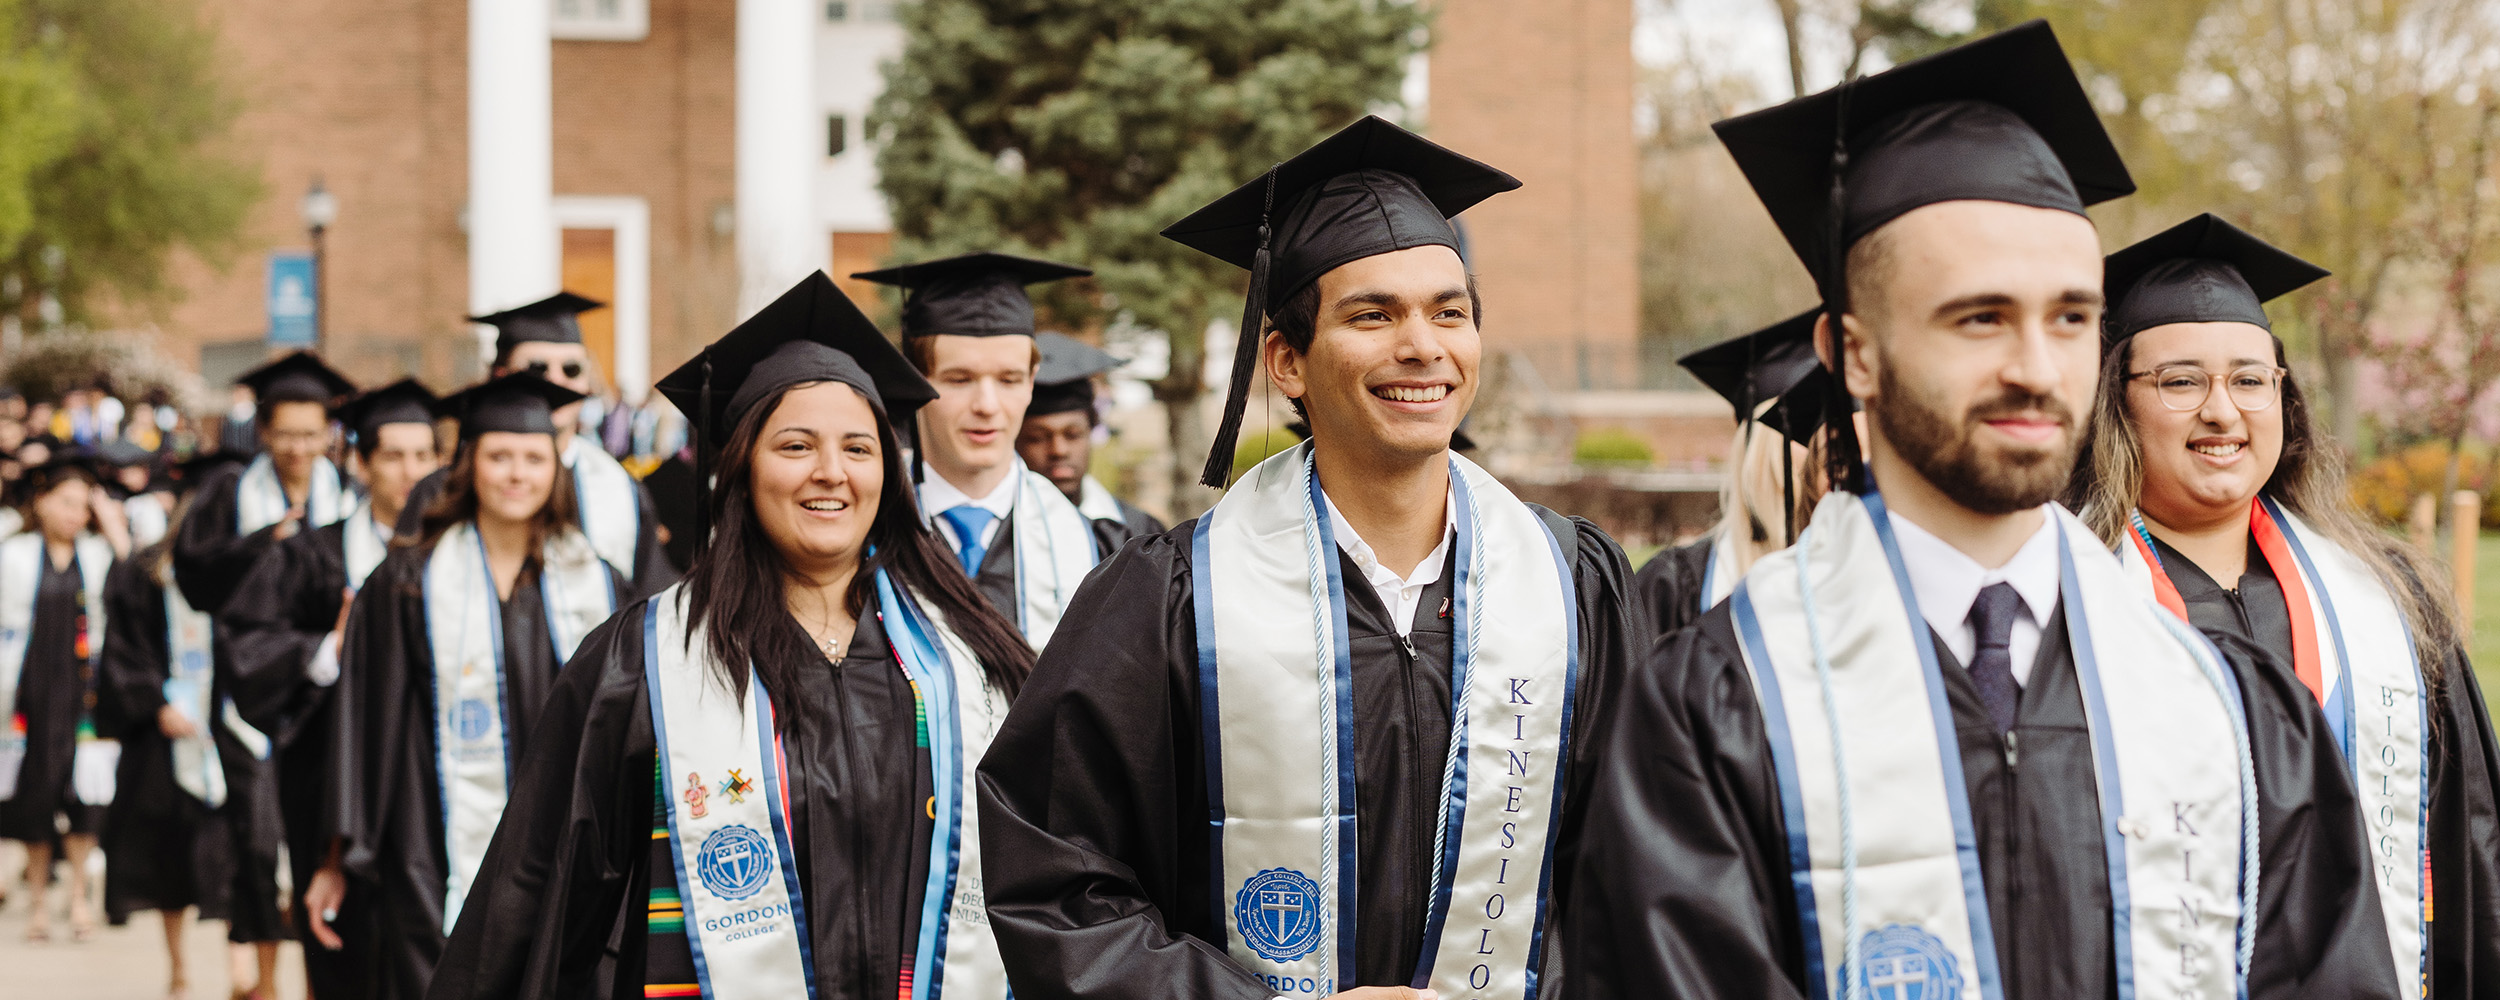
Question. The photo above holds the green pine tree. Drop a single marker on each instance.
(1076, 130)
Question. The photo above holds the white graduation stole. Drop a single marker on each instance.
(363, 544)
(1276, 690)
(736, 866)
(21, 582)
(2379, 712)
(1719, 575)
(1882, 851)
(190, 677)
(1096, 502)
(464, 634)
(1054, 551)
(611, 512)
(260, 501)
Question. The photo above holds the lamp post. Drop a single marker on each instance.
(320, 209)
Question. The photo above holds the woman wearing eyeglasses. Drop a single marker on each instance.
(2203, 468)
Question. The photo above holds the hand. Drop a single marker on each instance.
(322, 897)
(347, 599)
(1385, 993)
(110, 521)
(294, 522)
(174, 724)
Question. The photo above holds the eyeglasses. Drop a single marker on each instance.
(2187, 387)
(571, 369)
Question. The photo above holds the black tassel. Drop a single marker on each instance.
(1842, 464)
(702, 425)
(1219, 468)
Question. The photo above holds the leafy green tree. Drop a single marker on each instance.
(37, 102)
(140, 168)
(1077, 129)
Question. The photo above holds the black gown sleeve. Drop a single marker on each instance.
(131, 689)
(2465, 839)
(210, 557)
(541, 917)
(1667, 588)
(380, 653)
(1080, 802)
(1682, 872)
(278, 618)
(2320, 931)
(1601, 577)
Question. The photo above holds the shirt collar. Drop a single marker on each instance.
(1946, 580)
(1376, 574)
(938, 496)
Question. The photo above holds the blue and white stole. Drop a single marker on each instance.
(464, 635)
(363, 543)
(2379, 712)
(746, 921)
(1719, 574)
(190, 677)
(1054, 551)
(260, 501)
(1094, 500)
(1882, 853)
(21, 583)
(610, 503)
(1276, 694)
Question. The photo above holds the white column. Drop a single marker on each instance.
(514, 247)
(781, 137)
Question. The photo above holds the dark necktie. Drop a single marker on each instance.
(1992, 667)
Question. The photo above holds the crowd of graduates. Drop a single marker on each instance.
(2038, 652)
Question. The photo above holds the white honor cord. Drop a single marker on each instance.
(1459, 685)
(1322, 620)
(2249, 838)
(1849, 988)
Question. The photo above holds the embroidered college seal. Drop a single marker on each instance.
(475, 717)
(1278, 911)
(1904, 962)
(734, 862)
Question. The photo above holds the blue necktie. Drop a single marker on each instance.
(1992, 667)
(968, 522)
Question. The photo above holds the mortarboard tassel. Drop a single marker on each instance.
(1219, 466)
(1841, 463)
(703, 455)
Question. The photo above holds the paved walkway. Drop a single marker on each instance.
(119, 963)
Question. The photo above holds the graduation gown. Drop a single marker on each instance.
(997, 579)
(560, 906)
(2464, 831)
(52, 692)
(168, 849)
(385, 799)
(1093, 796)
(210, 555)
(1684, 872)
(278, 618)
(651, 572)
(1669, 588)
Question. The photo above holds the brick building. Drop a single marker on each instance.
(680, 157)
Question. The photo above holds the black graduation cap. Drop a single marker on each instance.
(1759, 366)
(65, 464)
(1999, 119)
(190, 472)
(406, 401)
(812, 333)
(1065, 381)
(300, 377)
(2204, 270)
(1370, 189)
(120, 453)
(518, 403)
(974, 295)
(551, 319)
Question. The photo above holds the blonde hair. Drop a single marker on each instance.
(1751, 493)
(2308, 481)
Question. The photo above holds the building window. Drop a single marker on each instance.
(600, 20)
(837, 135)
(837, 10)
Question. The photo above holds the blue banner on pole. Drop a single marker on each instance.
(291, 303)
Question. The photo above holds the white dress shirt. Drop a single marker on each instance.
(937, 496)
(1947, 582)
(1399, 594)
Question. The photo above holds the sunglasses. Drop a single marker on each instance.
(571, 369)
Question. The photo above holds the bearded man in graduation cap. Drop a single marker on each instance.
(614, 511)
(1319, 741)
(1942, 746)
(968, 328)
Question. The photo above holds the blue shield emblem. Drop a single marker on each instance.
(734, 862)
(1278, 911)
(475, 716)
(1903, 962)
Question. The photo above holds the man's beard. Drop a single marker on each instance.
(1941, 448)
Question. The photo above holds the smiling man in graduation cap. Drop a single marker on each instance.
(1058, 436)
(968, 327)
(1318, 741)
(2204, 466)
(282, 634)
(1943, 746)
(615, 512)
(236, 515)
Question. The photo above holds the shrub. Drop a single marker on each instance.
(1611, 448)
